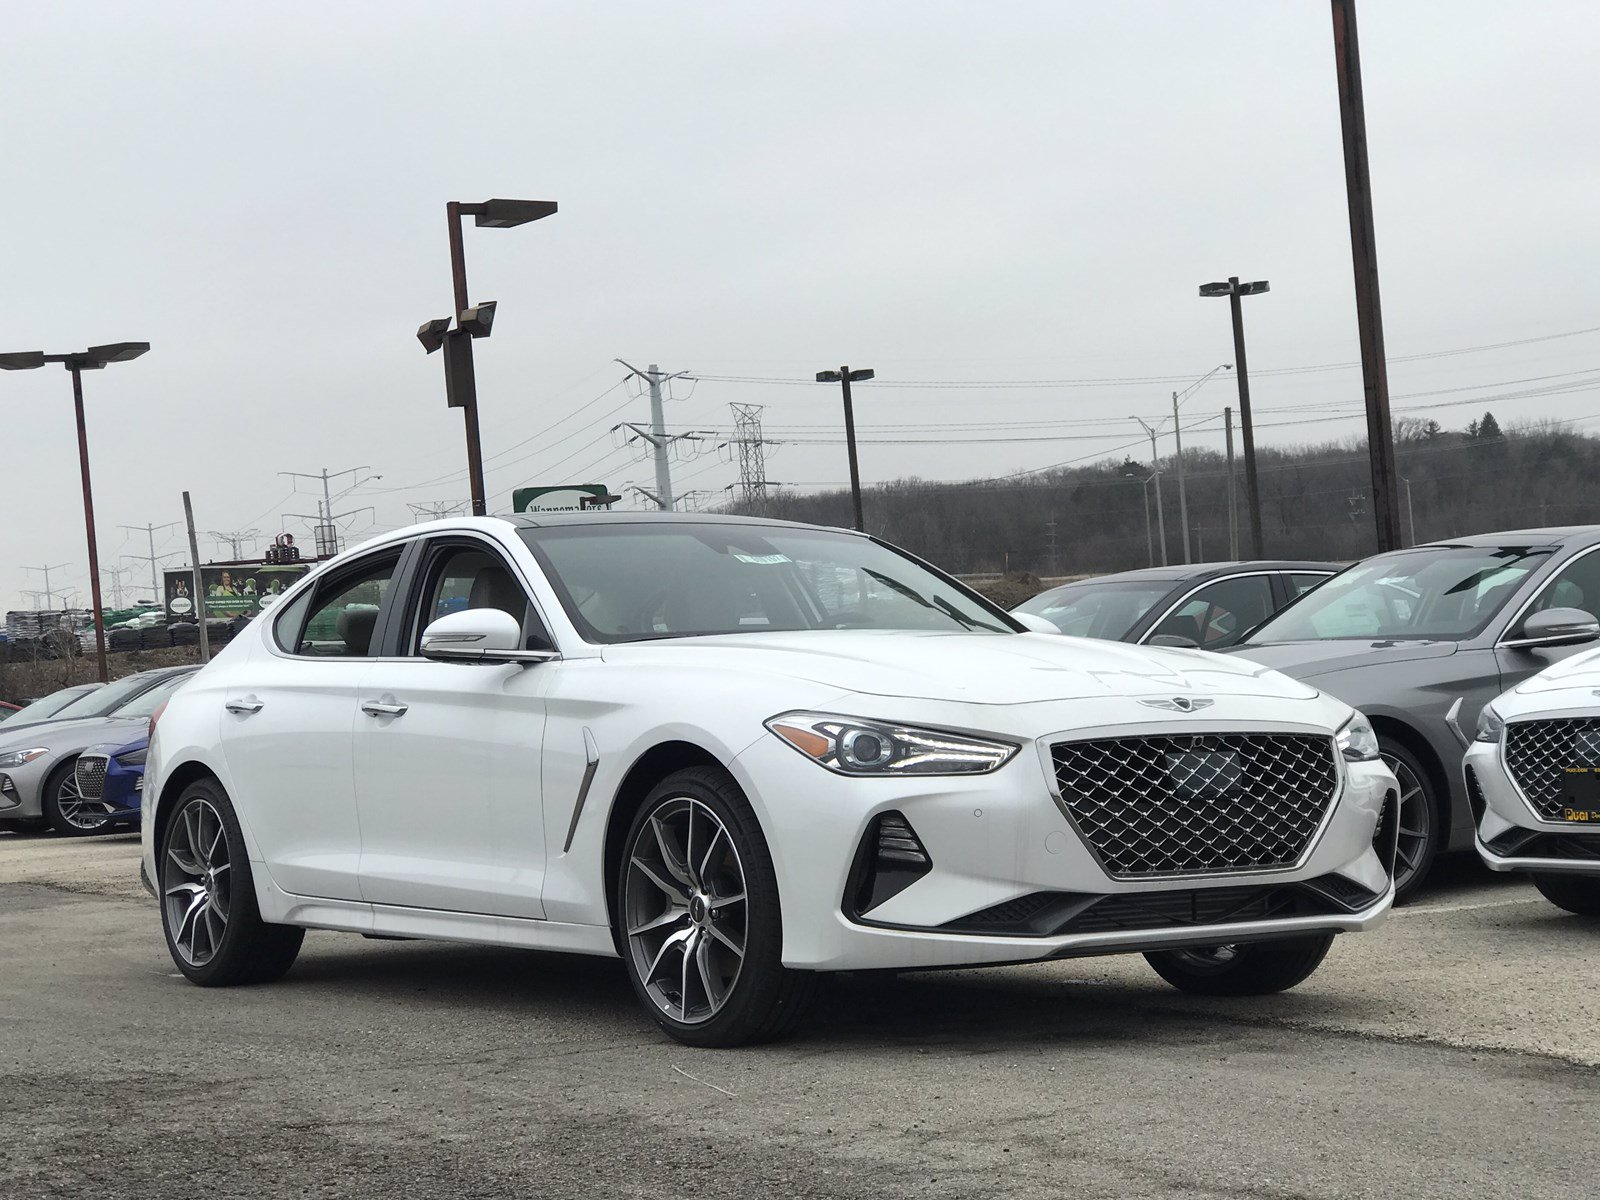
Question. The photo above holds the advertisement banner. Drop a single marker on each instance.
(229, 591)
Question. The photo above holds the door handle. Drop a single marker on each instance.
(376, 708)
(243, 708)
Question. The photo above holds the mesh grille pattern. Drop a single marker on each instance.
(1538, 752)
(91, 773)
(1191, 804)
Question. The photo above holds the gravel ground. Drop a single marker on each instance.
(1452, 1052)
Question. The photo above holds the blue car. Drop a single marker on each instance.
(111, 776)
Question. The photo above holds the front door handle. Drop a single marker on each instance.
(243, 708)
(376, 708)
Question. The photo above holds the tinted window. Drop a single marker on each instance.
(623, 583)
(1444, 593)
(1220, 613)
(1576, 585)
(1098, 610)
(464, 577)
(1299, 584)
(343, 611)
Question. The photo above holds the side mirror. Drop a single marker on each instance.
(1173, 639)
(1034, 623)
(479, 635)
(1557, 627)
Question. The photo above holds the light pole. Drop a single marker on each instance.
(92, 359)
(1155, 466)
(1133, 470)
(460, 383)
(1177, 437)
(844, 376)
(1233, 289)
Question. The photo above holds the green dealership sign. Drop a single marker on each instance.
(570, 497)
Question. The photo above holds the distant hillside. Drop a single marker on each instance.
(1314, 501)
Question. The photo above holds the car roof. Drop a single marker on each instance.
(1199, 572)
(544, 520)
(1554, 535)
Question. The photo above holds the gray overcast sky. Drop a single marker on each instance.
(940, 191)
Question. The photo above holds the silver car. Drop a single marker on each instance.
(37, 784)
(1405, 636)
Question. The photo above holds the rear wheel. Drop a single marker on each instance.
(208, 899)
(68, 812)
(1420, 825)
(697, 906)
(1575, 893)
(1242, 969)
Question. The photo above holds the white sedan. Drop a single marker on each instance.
(1533, 777)
(739, 753)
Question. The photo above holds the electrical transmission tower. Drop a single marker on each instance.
(663, 445)
(234, 539)
(751, 448)
(47, 593)
(157, 593)
(325, 525)
(433, 510)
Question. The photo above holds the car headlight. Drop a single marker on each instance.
(850, 746)
(1490, 726)
(22, 757)
(1356, 741)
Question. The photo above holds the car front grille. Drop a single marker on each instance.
(1539, 752)
(1194, 804)
(91, 773)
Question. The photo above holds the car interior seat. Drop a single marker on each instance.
(355, 628)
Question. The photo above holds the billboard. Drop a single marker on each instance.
(571, 497)
(231, 591)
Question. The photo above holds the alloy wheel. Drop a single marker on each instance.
(1416, 822)
(685, 908)
(86, 815)
(197, 882)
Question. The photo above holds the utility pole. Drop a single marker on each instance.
(1364, 259)
(199, 588)
(47, 591)
(156, 591)
(656, 436)
(324, 530)
(1411, 512)
(234, 540)
(1233, 504)
(1050, 525)
(1183, 495)
(1155, 465)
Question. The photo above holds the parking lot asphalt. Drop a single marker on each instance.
(1455, 1051)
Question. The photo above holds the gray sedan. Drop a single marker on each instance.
(1404, 636)
(37, 787)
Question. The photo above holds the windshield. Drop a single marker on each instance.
(105, 700)
(1097, 610)
(1434, 594)
(629, 583)
(46, 707)
(147, 701)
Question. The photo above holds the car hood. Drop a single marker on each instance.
(1579, 671)
(972, 668)
(1306, 660)
(58, 733)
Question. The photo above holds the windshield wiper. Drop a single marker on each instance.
(938, 604)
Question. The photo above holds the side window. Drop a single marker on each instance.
(1300, 584)
(342, 615)
(1220, 613)
(1576, 585)
(463, 577)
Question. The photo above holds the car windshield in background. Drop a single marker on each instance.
(1433, 594)
(625, 583)
(146, 702)
(105, 700)
(48, 706)
(1097, 610)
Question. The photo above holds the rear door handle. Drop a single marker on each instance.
(243, 708)
(375, 708)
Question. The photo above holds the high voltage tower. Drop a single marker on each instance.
(432, 510)
(751, 449)
(153, 560)
(662, 444)
(234, 539)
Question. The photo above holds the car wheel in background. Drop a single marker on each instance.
(24, 825)
(1244, 969)
(1420, 825)
(64, 807)
(697, 913)
(208, 899)
(1575, 893)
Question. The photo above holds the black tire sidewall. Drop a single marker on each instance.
(50, 803)
(243, 914)
(1259, 969)
(761, 971)
(1577, 894)
(1430, 797)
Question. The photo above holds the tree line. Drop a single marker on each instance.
(1315, 501)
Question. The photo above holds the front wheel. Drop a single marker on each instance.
(1420, 823)
(697, 910)
(1243, 969)
(208, 899)
(1575, 893)
(68, 813)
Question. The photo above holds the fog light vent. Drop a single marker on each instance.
(890, 859)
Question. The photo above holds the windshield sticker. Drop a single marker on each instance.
(763, 559)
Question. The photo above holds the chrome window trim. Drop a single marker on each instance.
(507, 560)
(1187, 596)
(1501, 641)
(270, 640)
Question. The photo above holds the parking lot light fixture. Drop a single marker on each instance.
(92, 359)
(1233, 289)
(844, 376)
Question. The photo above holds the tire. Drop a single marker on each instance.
(24, 825)
(209, 914)
(696, 910)
(1247, 969)
(61, 804)
(1421, 820)
(1575, 893)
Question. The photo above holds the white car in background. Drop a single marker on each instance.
(1533, 778)
(738, 753)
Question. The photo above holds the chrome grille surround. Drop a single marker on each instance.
(91, 775)
(1167, 805)
(1536, 752)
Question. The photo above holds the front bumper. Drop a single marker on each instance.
(1509, 836)
(1001, 838)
